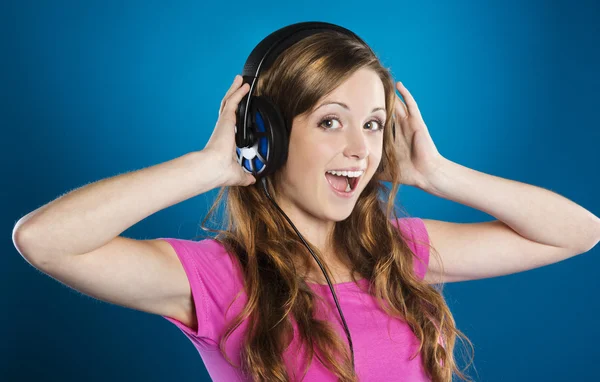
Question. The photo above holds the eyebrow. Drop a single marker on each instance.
(345, 106)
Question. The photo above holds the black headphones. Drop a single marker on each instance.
(262, 137)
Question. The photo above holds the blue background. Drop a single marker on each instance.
(90, 90)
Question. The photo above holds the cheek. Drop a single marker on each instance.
(308, 156)
(304, 161)
(376, 148)
(375, 155)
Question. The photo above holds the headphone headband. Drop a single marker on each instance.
(263, 55)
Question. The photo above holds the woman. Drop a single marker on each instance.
(252, 300)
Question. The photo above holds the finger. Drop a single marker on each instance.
(235, 85)
(400, 108)
(232, 102)
(411, 104)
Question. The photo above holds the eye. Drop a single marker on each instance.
(331, 118)
(380, 124)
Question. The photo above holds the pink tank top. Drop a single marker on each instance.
(382, 346)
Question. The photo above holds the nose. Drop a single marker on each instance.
(356, 143)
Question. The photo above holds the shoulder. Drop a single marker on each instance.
(414, 229)
(214, 284)
(198, 251)
(195, 247)
(416, 237)
(206, 261)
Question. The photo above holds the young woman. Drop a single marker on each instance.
(252, 300)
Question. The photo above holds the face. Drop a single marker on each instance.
(339, 138)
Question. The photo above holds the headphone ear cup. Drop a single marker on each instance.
(268, 151)
(271, 135)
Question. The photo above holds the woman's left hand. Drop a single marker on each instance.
(418, 158)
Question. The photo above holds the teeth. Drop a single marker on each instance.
(351, 174)
(348, 189)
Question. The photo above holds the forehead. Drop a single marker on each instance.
(362, 92)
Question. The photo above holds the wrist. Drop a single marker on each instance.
(438, 177)
(211, 168)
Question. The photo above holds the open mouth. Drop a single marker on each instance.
(343, 183)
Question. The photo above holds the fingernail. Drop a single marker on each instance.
(237, 76)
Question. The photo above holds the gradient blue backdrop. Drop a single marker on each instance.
(93, 89)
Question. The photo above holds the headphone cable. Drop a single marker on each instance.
(264, 183)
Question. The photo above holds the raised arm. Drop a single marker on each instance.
(75, 238)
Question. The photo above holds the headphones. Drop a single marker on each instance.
(262, 137)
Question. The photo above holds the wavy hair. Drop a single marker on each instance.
(266, 248)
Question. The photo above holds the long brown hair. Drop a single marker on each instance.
(267, 250)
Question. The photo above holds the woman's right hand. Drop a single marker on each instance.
(221, 143)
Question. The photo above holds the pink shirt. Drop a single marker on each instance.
(382, 346)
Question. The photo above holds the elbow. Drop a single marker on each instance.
(590, 245)
(18, 237)
(595, 236)
(20, 241)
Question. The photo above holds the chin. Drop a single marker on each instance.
(338, 214)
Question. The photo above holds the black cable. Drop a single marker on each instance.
(264, 183)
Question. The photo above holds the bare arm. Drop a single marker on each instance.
(75, 238)
(89, 217)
